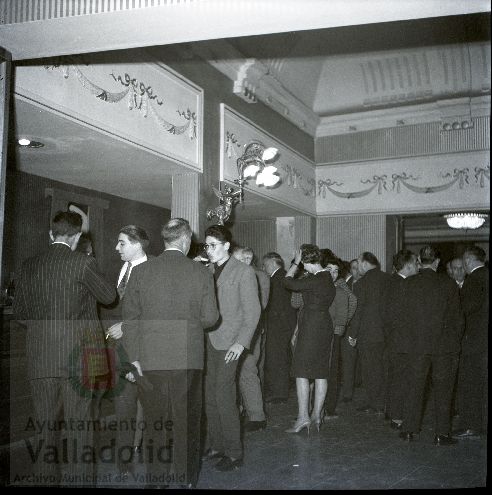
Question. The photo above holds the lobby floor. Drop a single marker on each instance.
(354, 451)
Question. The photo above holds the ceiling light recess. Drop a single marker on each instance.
(27, 143)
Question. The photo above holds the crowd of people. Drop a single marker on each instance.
(213, 337)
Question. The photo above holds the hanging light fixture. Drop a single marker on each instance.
(465, 220)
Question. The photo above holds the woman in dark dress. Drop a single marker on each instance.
(311, 354)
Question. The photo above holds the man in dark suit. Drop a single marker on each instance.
(168, 302)
(280, 322)
(239, 306)
(430, 316)
(367, 329)
(131, 246)
(405, 265)
(57, 295)
(473, 368)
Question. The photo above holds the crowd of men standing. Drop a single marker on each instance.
(153, 359)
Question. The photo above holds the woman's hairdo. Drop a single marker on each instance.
(310, 253)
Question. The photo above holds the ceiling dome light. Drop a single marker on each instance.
(465, 220)
(24, 142)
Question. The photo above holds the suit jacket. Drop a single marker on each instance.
(475, 304)
(57, 295)
(398, 339)
(367, 325)
(281, 316)
(430, 314)
(239, 306)
(168, 302)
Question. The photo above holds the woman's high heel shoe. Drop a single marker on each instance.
(299, 426)
(317, 422)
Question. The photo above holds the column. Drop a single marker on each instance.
(186, 199)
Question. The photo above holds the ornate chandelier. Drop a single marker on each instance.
(465, 220)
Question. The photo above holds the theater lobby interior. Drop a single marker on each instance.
(138, 111)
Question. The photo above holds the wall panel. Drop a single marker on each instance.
(348, 236)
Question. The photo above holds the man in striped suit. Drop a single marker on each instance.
(57, 297)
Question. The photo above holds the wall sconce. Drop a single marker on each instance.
(252, 163)
(465, 220)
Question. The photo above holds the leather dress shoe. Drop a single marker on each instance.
(228, 464)
(254, 426)
(406, 435)
(465, 433)
(211, 454)
(395, 425)
(444, 440)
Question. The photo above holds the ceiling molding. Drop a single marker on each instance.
(443, 111)
(253, 81)
(181, 22)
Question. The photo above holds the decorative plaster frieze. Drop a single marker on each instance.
(413, 184)
(297, 185)
(139, 97)
(459, 177)
(145, 103)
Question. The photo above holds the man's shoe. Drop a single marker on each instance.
(211, 454)
(406, 435)
(228, 464)
(468, 433)
(254, 426)
(395, 425)
(444, 440)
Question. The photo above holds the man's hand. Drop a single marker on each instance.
(129, 376)
(234, 352)
(115, 331)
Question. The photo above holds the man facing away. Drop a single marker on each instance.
(239, 306)
(405, 265)
(131, 246)
(169, 301)
(367, 329)
(249, 376)
(473, 367)
(57, 295)
(429, 315)
(281, 320)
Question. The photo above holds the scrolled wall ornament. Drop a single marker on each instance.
(140, 97)
(481, 174)
(231, 140)
(311, 189)
(460, 176)
(398, 179)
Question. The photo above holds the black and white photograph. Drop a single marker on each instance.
(244, 244)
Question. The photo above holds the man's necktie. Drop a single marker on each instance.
(122, 285)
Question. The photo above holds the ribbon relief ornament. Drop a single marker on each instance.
(140, 97)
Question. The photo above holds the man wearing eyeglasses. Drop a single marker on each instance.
(239, 307)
